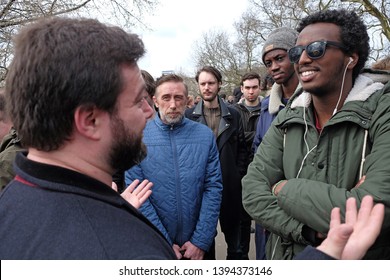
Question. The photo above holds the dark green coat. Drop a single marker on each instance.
(329, 173)
(9, 147)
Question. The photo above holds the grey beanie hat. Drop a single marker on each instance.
(280, 38)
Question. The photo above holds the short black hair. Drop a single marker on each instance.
(353, 33)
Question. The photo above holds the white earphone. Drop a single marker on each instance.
(306, 127)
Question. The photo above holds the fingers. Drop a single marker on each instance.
(191, 251)
(137, 193)
(365, 230)
(176, 249)
(133, 185)
(377, 216)
(337, 239)
(143, 191)
(334, 218)
(145, 196)
(366, 207)
(351, 211)
(372, 215)
(144, 187)
(361, 181)
(138, 188)
(114, 186)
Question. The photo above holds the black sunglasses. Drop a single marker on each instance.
(314, 50)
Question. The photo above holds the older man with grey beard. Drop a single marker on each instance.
(183, 164)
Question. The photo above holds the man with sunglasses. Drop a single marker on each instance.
(331, 142)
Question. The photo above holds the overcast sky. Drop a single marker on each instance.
(177, 24)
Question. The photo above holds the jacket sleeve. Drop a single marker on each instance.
(311, 201)
(265, 170)
(147, 208)
(206, 227)
(243, 153)
(257, 139)
(311, 253)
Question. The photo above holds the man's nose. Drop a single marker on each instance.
(172, 103)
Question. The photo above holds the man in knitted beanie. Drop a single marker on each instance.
(279, 67)
(281, 38)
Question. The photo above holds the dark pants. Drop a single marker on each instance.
(210, 254)
(246, 222)
(261, 237)
(232, 239)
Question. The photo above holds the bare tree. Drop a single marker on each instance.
(375, 13)
(14, 14)
(240, 53)
(249, 39)
(214, 48)
(191, 84)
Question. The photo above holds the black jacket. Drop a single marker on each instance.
(233, 157)
(249, 121)
(49, 212)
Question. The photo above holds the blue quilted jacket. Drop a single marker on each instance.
(183, 164)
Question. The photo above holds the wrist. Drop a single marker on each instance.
(274, 190)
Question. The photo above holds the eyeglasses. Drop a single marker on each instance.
(314, 50)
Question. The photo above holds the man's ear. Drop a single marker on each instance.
(155, 101)
(353, 60)
(88, 121)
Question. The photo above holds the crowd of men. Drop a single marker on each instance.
(104, 162)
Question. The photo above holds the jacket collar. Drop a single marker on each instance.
(164, 126)
(275, 98)
(363, 88)
(225, 113)
(381, 76)
(59, 179)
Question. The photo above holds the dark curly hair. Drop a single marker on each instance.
(353, 33)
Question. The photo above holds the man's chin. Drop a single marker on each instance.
(176, 120)
(209, 97)
(140, 156)
(124, 159)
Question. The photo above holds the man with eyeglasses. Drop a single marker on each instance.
(331, 142)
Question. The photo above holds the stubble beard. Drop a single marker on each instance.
(209, 98)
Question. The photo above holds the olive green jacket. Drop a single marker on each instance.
(9, 147)
(338, 156)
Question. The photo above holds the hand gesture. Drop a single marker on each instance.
(136, 193)
(351, 240)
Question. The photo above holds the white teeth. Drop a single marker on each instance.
(307, 73)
